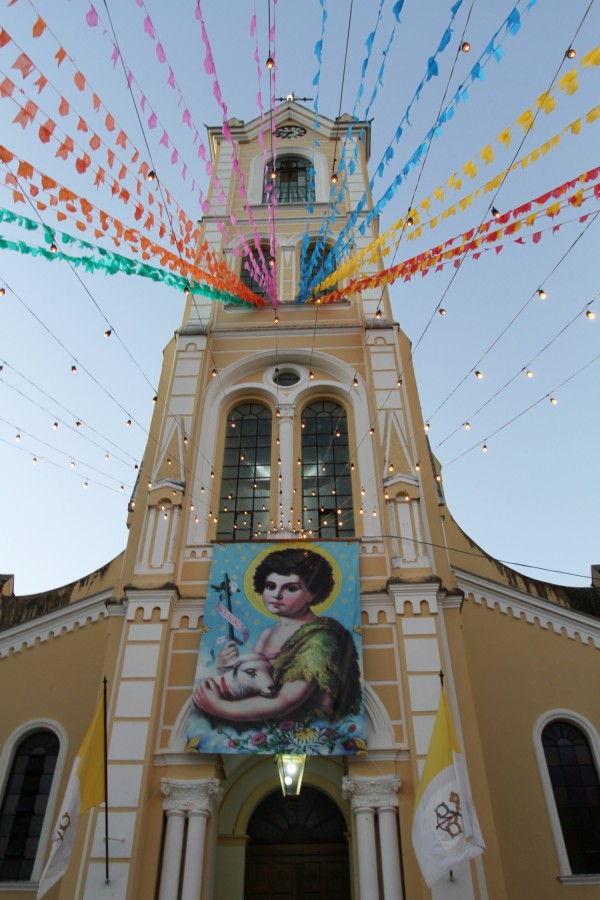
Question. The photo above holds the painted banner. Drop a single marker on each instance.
(280, 662)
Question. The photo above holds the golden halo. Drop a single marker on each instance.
(256, 599)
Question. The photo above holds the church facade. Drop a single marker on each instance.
(278, 426)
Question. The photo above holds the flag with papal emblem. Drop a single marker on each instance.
(445, 829)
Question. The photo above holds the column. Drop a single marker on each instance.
(390, 853)
(370, 797)
(192, 800)
(171, 864)
(286, 454)
(194, 855)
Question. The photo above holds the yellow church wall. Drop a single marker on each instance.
(518, 671)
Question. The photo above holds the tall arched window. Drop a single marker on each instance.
(248, 274)
(246, 474)
(314, 271)
(328, 510)
(576, 790)
(292, 181)
(24, 804)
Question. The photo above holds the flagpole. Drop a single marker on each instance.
(106, 879)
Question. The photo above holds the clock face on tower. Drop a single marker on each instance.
(290, 131)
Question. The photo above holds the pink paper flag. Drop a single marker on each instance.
(148, 28)
(92, 17)
(152, 121)
(186, 118)
(164, 139)
(171, 78)
(160, 53)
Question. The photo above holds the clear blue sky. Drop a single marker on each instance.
(533, 497)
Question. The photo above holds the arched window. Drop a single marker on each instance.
(248, 275)
(576, 790)
(293, 183)
(312, 270)
(24, 804)
(246, 478)
(326, 482)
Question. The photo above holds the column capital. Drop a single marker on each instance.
(372, 793)
(191, 796)
(287, 410)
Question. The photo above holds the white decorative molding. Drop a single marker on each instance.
(371, 793)
(54, 623)
(380, 731)
(374, 604)
(415, 594)
(191, 796)
(560, 619)
(148, 601)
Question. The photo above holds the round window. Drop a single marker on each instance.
(285, 377)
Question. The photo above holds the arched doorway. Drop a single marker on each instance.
(297, 849)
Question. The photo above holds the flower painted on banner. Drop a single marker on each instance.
(286, 725)
(258, 739)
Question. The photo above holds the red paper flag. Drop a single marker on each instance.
(48, 183)
(109, 122)
(26, 114)
(94, 142)
(60, 55)
(5, 155)
(65, 148)
(82, 125)
(122, 140)
(25, 169)
(79, 80)
(41, 83)
(6, 88)
(46, 131)
(4, 38)
(82, 164)
(63, 109)
(23, 64)
(39, 27)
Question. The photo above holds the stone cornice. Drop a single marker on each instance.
(163, 600)
(533, 609)
(371, 793)
(415, 593)
(54, 623)
(373, 604)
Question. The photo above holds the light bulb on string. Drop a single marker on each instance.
(108, 332)
(2, 291)
(590, 314)
(54, 426)
(478, 374)
(427, 426)
(128, 423)
(495, 212)
(465, 47)
(270, 63)
(151, 175)
(442, 311)
(53, 247)
(553, 401)
(73, 368)
(529, 373)
(542, 294)
(571, 53)
(467, 426)
(17, 437)
(484, 448)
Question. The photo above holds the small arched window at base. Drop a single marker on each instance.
(24, 804)
(576, 789)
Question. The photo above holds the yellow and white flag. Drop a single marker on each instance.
(445, 829)
(84, 790)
